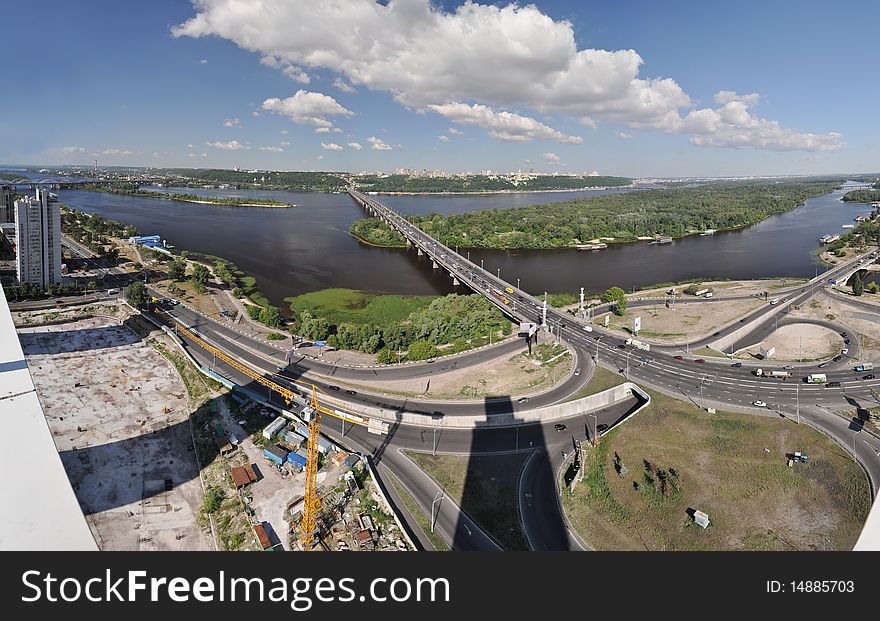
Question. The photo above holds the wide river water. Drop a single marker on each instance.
(308, 247)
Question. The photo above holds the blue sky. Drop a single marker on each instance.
(707, 88)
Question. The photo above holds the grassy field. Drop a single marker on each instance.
(733, 467)
(484, 486)
(602, 379)
(351, 306)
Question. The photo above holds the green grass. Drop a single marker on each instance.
(484, 487)
(358, 307)
(602, 379)
(424, 522)
(732, 466)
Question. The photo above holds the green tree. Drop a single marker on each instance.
(421, 350)
(858, 287)
(199, 277)
(386, 356)
(270, 316)
(136, 294)
(177, 270)
(616, 296)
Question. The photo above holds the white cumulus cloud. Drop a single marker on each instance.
(502, 125)
(454, 131)
(342, 85)
(331, 146)
(272, 149)
(378, 144)
(231, 123)
(307, 108)
(232, 145)
(495, 56)
(356, 146)
(551, 158)
(117, 152)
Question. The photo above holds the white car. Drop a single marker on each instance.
(845, 351)
(759, 404)
(588, 328)
(774, 302)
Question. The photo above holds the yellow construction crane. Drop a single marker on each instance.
(312, 502)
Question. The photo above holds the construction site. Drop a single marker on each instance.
(162, 457)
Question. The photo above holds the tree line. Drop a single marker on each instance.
(674, 212)
(456, 320)
(483, 183)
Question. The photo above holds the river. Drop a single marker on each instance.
(308, 247)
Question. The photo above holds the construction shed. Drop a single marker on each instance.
(243, 475)
(275, 453)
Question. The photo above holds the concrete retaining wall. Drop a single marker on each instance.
(721, 344)
(537, 415)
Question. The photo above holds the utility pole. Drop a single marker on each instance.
(597, 350)
(499, 273)
(581, 309)
(797, 396)
(434, 444)
(517, 283)
(595, 430)
(544, 312)
(437, 499)
(481, 265)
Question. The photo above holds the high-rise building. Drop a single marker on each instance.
(7, 203)
(38, 240)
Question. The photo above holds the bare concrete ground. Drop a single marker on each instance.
(684, 322)
(803, 342)
(103, 391)
(515, 375)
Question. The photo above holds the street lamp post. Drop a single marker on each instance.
(517, 283)
(595, 430)
(481, 263)
(437, 499)
(499, 273)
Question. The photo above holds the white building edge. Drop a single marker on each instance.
(39, 510)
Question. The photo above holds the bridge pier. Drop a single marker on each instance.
(455, 281)
(434, 264)
(420, 251)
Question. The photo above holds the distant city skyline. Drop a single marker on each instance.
(641, 90)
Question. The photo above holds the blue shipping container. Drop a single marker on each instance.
(298, 460)
(271, 455)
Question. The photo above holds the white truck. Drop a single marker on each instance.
(774, 374)
(817, 378)
(638, 344)
(865, 366)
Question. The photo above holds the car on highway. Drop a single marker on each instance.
(823, 365)
(737, 365)
(336, 388)
(774, 302)
(832, 385)
(869, 376)
(715, 333)
(843, 334)
(559, 427)
(699, 361)
(836, 358)
(577, 371)
(602, 427)
(679, 357)
(225, 313)
(845, 351)
(788, 367)
(759, 404)
(846, 341)
(522, 400)
(351, 392)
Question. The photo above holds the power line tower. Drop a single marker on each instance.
(312, 502)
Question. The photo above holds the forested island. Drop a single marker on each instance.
(406, 184)
(133, 190)
(614, 218)
(863, 196)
